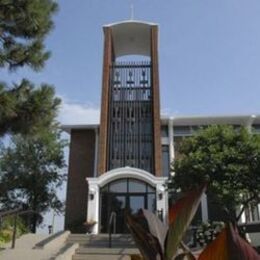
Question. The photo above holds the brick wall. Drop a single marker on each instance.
(81, 165)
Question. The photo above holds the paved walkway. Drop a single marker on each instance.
(24, 249)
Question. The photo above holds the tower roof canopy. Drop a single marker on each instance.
(131, 37)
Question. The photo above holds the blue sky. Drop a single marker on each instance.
(209, 55)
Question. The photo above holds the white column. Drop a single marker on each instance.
(162, 201)
(243, 216)
(204, 208)
(171, 139)
(93, 205)
(249, 122)
(96, 152)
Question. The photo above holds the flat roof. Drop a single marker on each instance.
(68, 128)
(186, 121)
(216, 119)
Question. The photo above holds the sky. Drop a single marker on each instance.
(209, 55)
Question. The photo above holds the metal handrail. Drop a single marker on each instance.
(112, 221)
(16, 212)
(10, 212)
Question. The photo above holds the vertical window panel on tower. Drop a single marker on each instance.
(130, 116)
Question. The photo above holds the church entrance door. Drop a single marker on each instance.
(132, 200)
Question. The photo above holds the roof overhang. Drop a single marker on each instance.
(69, 128)
(186, 121)
(211, 120)
(131, 37)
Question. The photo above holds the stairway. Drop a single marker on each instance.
(95, 247)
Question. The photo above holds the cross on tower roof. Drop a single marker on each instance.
(132, 12)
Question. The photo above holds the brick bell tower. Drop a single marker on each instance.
(124, 151)
(130, 109)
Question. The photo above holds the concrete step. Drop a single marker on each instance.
(106, 251)
(96, 247)
(101, 257)
(98, 237)
(104, 244)
(101, 240)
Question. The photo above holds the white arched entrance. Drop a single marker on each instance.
(96, 185)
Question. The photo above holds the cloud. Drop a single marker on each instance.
(72, 113)
(168, 112)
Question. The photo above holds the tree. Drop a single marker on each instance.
(25, 108)
(29, 168)
(23, 26)
(31, 172)
(229, 159)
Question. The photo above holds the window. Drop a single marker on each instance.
(164, 131)
(165, 160)
(252, 213)
(256, 129)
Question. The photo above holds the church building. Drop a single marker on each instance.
(123, 162)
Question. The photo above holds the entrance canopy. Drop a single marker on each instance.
(126, 172)
(126, 175)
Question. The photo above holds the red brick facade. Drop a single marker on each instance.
(81, 165)
(156, 103)
(107, 59)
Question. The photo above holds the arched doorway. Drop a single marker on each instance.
(126, 187)
(125, 194)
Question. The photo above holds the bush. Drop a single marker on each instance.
(207, 232)
(6, 229)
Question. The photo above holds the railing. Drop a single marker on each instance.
(16, 212)
(112, 222)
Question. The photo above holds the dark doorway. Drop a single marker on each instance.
(121, 195)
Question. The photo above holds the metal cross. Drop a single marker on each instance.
(132, 12)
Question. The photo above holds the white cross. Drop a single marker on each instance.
(132, 12)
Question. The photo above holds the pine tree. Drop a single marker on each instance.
(26, 108)
(23, 26)
(30, 167)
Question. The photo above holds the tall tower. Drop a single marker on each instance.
(117, 165)
(130, 110)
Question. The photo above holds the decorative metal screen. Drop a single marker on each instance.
(130, 110)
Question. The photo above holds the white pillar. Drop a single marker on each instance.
(162, 201)
(96, 152)
(171, 139)
(93, 205)
(249, 123)
(204, 208)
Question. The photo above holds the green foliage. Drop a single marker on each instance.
(208, 231)
(26, 108)
(226, 157)
(23, 26)
(31, 172)
(30, 167)
(6, 229)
